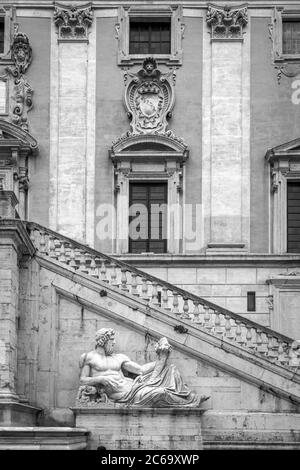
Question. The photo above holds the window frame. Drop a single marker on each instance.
(8, 13)
(148, 12)
(284, 162)
(280, 15)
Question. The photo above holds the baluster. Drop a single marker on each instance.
(228, 332)
(93, 271)
(264, 345)
(42, 249)
(271, 353)
(238, 333)
(218, 329)
(154, 299)
(82, 265)
(259, 342)
(185, 309)
(113, 275)
(281, 355)
(196, 313)
(249, 339)
(165, 304)
(134, 284)
(72, 263)
(62, 257)
(124, 279)
(175, 303)
(294, 359)
(145, 289)
(103, 271)
(206, 318)
(52, 252)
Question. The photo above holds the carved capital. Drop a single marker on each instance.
(226, 23)
(73, 22)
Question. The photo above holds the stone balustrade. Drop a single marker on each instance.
(185, 306)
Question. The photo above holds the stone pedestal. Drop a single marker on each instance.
(14, 244)
(17, 414)
(141, 428)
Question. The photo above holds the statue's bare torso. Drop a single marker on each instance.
(106, 371)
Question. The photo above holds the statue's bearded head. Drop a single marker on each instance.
(105, 338)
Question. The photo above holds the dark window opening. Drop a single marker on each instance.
(1, 35)
(291, 37)
(251, 302)
(150, 37)
(293, 217)
(148, 218)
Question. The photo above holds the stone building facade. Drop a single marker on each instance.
(193, 105)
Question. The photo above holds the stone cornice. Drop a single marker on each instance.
(15, 231)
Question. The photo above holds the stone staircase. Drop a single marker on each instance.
(68, 289)
(183, 306)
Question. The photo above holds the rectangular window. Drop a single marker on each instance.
(2, 34)
(150, 37)
(291, 37)
(293, 217)
(148, 217)
(251, 304)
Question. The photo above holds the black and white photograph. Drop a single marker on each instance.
(149, 228)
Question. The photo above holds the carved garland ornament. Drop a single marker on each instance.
(73, 22)
(226, 22)
(22, 91)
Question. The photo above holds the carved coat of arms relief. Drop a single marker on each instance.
(149, 98)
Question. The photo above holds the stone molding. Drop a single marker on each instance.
(174, 12)
(226, 22)
(73, 22)
(284, 64)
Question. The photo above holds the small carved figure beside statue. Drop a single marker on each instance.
(157, 384)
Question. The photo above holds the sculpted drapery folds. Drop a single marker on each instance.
(157, 384)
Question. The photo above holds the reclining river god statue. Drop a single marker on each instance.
(157, 384)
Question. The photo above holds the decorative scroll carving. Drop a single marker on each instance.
(73, 22)
(149, 98)
(22, 91)
(156, 385)
(226, 22)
